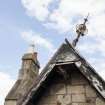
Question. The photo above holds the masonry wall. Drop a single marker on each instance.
(10, 102)
(77, 91)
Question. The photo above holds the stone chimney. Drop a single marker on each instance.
(27, 75)
(30, 66)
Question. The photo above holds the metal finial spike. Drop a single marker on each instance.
(86, 19)
(31, 48)
(32, 45)
(81, 30)
(75, 41)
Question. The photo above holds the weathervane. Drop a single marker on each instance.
(81, 30)
(31, 47)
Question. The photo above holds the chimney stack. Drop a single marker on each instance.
(27, 75)
(30, 64)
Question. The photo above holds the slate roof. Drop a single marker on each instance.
(67, 54)
(13, 93)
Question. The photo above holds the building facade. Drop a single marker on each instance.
(67, 79)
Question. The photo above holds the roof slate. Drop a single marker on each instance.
(13, 93)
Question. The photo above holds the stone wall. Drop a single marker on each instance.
(10, 102)
(77, 91)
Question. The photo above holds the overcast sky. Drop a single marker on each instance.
(47, 23)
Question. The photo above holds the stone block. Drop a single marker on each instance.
(10, 102)
(90, 100)
(64, 99)
(78, 79)
(83, 103)
(99, 101)
(78, 98)
(45, 104)
(58, 89)
(76, 89)
(90, 92)
(48, 100)
(74, 104)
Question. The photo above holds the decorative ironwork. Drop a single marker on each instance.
(81, 30)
